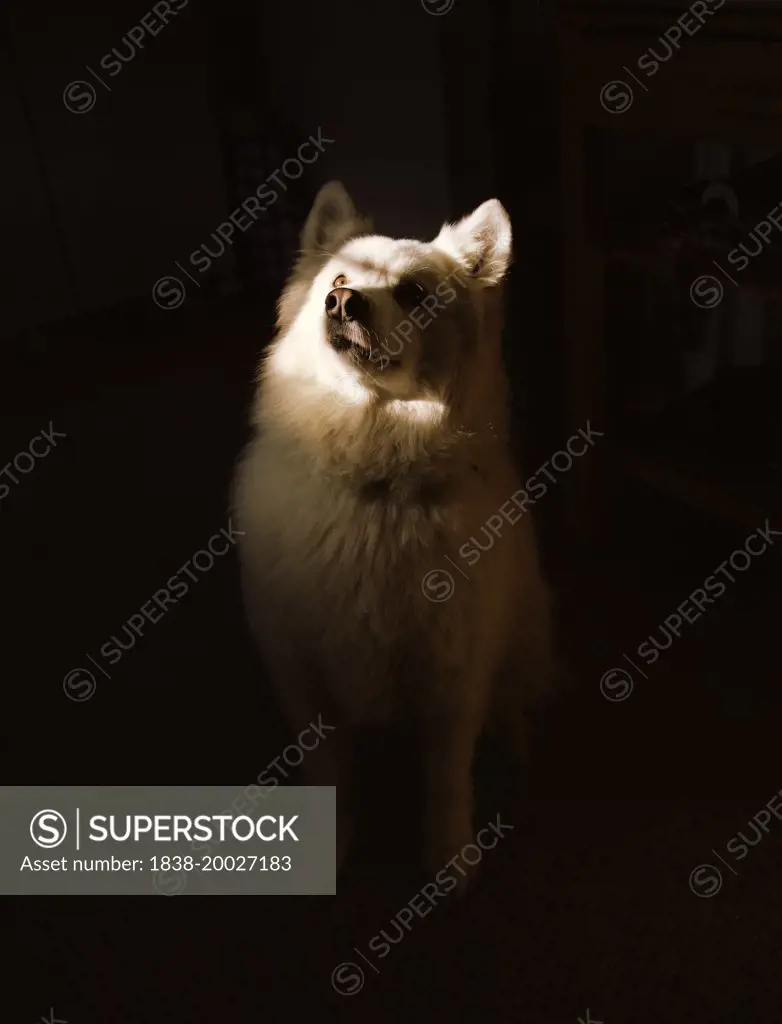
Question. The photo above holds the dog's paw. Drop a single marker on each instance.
(444, 855)
(344, 839)
(450, 870)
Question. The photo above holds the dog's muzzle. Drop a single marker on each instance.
(347, 328)
(348, 337)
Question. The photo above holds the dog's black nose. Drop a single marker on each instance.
(345, 304)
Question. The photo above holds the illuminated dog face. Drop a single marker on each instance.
(395, 318)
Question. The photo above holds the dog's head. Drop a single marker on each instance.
(396, 318)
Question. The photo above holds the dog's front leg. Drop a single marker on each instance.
(449, 746)
(324, 743)
(329, 764)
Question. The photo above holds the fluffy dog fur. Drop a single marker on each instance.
(364, 475)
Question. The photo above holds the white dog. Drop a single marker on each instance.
(379, 450)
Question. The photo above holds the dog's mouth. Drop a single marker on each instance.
(367, 357)
(354, 341)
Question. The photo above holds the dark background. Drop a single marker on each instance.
(588, 904)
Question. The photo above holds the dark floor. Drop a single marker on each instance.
(585, 907)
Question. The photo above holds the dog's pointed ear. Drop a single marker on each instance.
(481, 242)
(332, 220)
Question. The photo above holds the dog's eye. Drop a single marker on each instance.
(339, 281)
(409, 292)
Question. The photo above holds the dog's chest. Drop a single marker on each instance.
(376, 535)
(362, 553)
